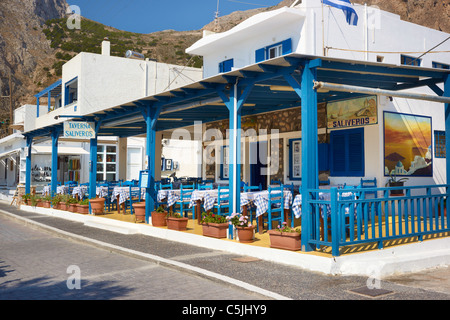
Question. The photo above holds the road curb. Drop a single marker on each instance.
(149, 257)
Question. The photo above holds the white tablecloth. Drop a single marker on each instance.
(124, 193)
(59, 190)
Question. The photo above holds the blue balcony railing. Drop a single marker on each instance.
(345, 217)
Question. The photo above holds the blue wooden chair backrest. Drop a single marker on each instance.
(223, 194)
(276, 197)
(168, 186)
(186, 191)
(253, 188)
(368, 183)
(275, 182)
(205, 186)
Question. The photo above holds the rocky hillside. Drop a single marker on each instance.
(35, 41)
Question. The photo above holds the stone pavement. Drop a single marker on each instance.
(266, 279)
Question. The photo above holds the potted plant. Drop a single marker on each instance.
(26, 198)
(83, 206)
(139, 211)
(285, 237)
(36, 201)
(159, 217)
(245, 230)
(395, 182)
(56, 201)
(176, 221)
(63, 205)
(97, 205)
(46, 201)
(72, 203)
(214, 225)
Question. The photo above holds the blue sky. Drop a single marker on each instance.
(146, 16)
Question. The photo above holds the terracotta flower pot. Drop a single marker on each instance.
(46, 204)
(29, 202)
(179, 224)
(159, 219)
(245, 234)
(139, 211)
(97, 205)
(83, 208)
(215, 230)
(39, 203)
(284, 240)
(62, 206)
(72, 207)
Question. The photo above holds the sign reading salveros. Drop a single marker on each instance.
(79, 129)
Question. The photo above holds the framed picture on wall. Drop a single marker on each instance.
(407, 145)
(168, 164)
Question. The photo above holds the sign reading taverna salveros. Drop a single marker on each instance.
(79, 129)
(352, 113)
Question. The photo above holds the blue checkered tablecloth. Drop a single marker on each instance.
(261, 200)
(59, 190)
(79, 191)
(172, 196)
(297, 204)
(101, 191)
(209, 197)
(124, 193)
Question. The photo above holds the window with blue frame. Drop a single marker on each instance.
(226, 66)
(295, 159)
(347, 153)
(224, 164)
(71, 91)
(410, 61)
(439, 65)
(439, 144)
(276, 50)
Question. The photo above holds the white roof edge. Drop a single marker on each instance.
(251, 22)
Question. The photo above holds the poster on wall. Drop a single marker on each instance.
(296, 159)
(407, 145)
(352, 113)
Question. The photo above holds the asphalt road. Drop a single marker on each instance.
(36, 264)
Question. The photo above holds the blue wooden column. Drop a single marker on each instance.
(28, 165)
(151, 113)
(310, 164)
(234, 102)
(93, 162)
(55, 137)
(447, 131)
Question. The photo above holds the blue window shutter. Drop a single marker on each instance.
(228, 65)
(260, 55)
(287, 46)
(347, 153)
(220, 67)
(338, 152)
(323, 157)
(356, 154)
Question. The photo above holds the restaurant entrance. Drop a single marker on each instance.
(258, 163)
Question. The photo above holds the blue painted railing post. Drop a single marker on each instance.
(37, 107)
(335, 219)
(55, 136)
(93, 162)
(28, 165)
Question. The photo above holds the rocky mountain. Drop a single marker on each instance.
(35, 41)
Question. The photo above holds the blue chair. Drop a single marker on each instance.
(275, 211)
(348, 209)
(251, 188)
(324, 182)
(251, 209)
(185, 197)
(205, 187)
(275, 182)
(71, 185)
(135, 196)
(223, 200)
(161, 186)
(126, 183)
(86, 195)
(369, 183)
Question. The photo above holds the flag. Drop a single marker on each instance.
(347, 8)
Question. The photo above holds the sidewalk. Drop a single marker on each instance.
(245, 270)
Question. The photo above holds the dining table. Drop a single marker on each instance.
(79, 191)
(59, 190)
(122, 194)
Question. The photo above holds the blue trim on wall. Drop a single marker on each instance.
(263, 53)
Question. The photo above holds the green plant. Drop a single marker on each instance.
(26, 197)
(34, 199)
(393, 178)
(238, 220)
(160, 209)
(285, 228)
(174, 214)
(84, 202)
(72, 200)
(210, 217)
(56, 199)
(47, 198)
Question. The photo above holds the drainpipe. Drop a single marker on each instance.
(325, 87)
